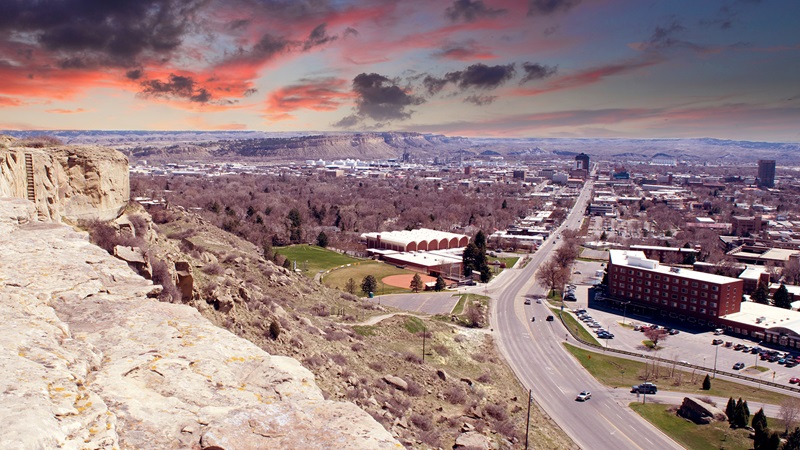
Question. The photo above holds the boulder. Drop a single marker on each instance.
(472, 440)
(397, 382)
(184, 279)
(700, 412)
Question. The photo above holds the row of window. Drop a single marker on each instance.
(665, 293)
(675, 304)
(665, 279)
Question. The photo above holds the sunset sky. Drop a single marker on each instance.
(519, 68)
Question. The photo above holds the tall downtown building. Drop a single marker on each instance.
(766, 172)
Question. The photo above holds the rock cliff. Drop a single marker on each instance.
(65, 182)
(87, 360)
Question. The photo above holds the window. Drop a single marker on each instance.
(674, 288)
(638, 289)
(666, 279)
(713, 313)
(705, 285)
(665, 294)
(663, 302)
(713, 304)
(630, 271)
(658, 277)
(646, 290)
(647, 283)
(630, 279)
(692, 308)
(685, 283)
(614, 283)
(694, 283)
(683, 305)
(703, 302)
(674, 304)
(683, 298)
(648, 274)
(704, 294)
(715, 288)
(638, 273)
(714, 296)
(694, 292)
(683, 290)
(674, 296)
(657, 284)
(702, 310)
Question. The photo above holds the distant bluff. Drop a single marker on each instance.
(89, 360)
(65, 182)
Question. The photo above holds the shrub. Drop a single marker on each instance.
(412, 358)
(357, 347)
(414, 389)
(139, 224)
(296, 341)
(376, 366)
(423, 422)
(496, 411)
(455, 395)
(441, 350)
(430, 438)
(335, 335)
(339, 359)
(213, 269)
(485, 378)
(460, 338)
(506, 428)
(314, 361)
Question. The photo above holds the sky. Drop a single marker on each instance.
(727, 69)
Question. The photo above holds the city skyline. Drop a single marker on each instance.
(539, 68)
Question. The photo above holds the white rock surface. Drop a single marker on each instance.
(72, 182)
(88, 361)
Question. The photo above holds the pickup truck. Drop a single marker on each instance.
(644, 388)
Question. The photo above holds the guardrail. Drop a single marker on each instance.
(676, 363)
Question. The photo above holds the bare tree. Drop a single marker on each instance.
(791, 271)
(552, 275)
(790, 410)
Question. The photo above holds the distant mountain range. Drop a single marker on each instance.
(287, 146)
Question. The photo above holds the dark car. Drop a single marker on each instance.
(550, 318)
(738, 366)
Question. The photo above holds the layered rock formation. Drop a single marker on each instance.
(69, 182)
(87, 360)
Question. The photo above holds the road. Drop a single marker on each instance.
(535, 352)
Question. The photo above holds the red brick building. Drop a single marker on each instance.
(649, 287)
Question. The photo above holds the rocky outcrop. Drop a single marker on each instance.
(700, 412)
(88, 361)
(70, 182)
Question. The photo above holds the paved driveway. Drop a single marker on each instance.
(425, 302)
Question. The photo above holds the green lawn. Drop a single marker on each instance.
(694, 437)
(338, 278)
(619, 372)
(572, 323)
(311, 259)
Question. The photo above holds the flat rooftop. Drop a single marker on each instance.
(637, 259)
(766, 316)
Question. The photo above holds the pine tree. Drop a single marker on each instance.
(781, 298)
(707, 383)
(416, 283)
(350, 286)
(322, 239)
(759, 421)
(730, 410)
(761, 294)
(440, 285)
(369, 284)
(792, 440)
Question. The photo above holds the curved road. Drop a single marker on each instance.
(535, 352)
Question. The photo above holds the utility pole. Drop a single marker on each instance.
(715, 361)
(528, 421)
(424, 332)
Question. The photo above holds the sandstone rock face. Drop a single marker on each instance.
(67, 181)
(88, 361)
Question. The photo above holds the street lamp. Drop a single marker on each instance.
(716, 351)
(624, 311)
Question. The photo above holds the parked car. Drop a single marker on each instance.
(527, 301)
(738, 346)
(605, 335)
(791, 363)
(674, 331)
(583, 396)
(738, 366)
(645, 388)
(717, 341)
(794, 380)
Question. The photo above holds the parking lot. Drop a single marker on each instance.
(688, 345)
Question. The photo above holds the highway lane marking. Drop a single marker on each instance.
(620, 432)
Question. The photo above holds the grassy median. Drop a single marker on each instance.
(695, 437)
(624, 373)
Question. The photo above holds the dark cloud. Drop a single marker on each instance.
(478, 76)
(97, 32)
(536, 71)
(470, 10)
(480, 100)
(467, 50)
(269, 46)
(134, 74)
(380, 99)
(239, 24)
(547, 7)
(349, 31)
(178, 86)
(318, 36)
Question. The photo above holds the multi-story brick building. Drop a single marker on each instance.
(651, 288)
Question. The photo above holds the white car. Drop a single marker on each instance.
(583, 396)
